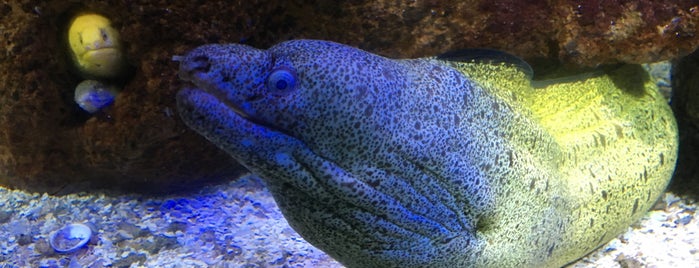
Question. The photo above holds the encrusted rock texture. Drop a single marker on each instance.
(47, 144)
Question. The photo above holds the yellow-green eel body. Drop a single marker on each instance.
(450, 161)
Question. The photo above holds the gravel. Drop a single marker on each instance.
(239, 225)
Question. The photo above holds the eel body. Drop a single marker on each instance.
(450, 161)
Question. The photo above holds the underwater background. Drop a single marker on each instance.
(155, 194)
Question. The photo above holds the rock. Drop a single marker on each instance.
(48, 144)
(628, 262)
(131, 259)
(576, 32)
(160, 243)
(5, 216)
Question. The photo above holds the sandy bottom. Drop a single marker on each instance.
(238, 225)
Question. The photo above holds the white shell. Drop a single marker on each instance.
(70, 238)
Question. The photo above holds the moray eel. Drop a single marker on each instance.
(95, 47)
(449, 161)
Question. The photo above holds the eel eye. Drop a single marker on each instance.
(281, 80)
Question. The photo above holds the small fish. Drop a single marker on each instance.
(93, 96)
(459, 160)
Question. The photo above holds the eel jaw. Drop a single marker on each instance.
(311, 189)
(253, 144)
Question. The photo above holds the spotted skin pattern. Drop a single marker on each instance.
(432, 162)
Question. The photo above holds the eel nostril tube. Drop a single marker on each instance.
(199, 64)
(192, 66)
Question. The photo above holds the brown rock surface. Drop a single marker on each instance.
(578, 32)
(47, 143)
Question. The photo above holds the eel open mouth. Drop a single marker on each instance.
(207, 105)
